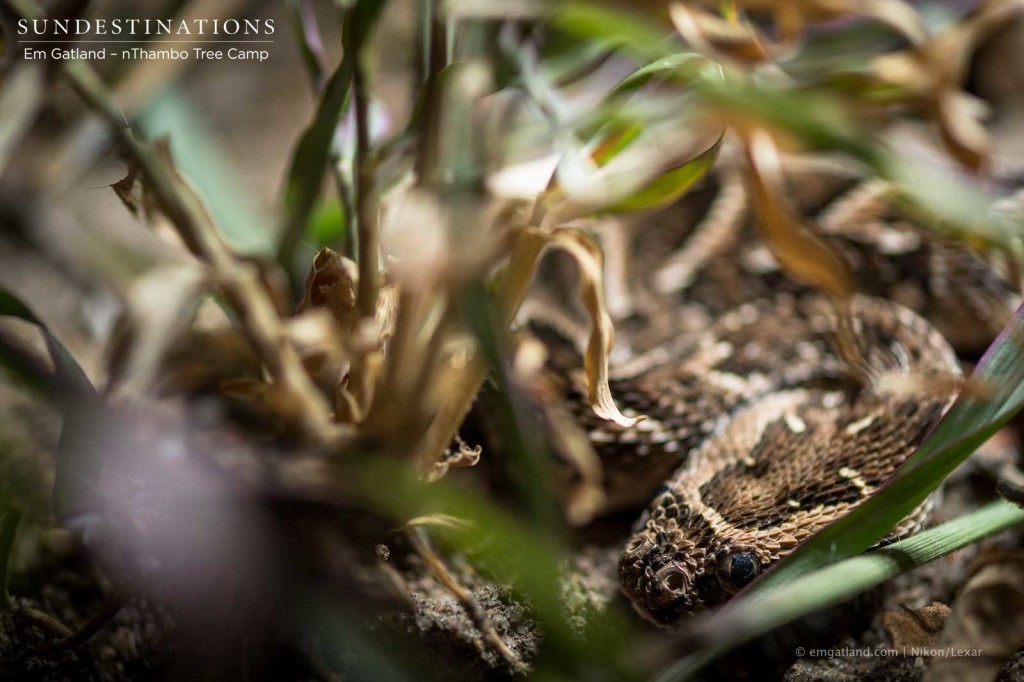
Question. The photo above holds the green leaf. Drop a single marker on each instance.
(68, 374)
(588, 21)
(615, 130)
(682, 66)
(302, 18)
(670, 185)
(313, 151)
(515, 552)
(614, 139)
(327, 225)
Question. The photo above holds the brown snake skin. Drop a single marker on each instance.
(761, 431)
(800, 446)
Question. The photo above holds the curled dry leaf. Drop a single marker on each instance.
(792, 17)
(811, 11)
(959, 124)
(987, 621)
(332, 285)
(465, 378)
(722, 38)
(804, 256)
(928, 73)
(462, 456)
(587, 255)
(915, 627)
(125, 188)
(731, 36)
(933, 68)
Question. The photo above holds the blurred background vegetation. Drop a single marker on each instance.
(248, 305)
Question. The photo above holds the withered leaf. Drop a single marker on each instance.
(587, 254)
(125, 188)
(915, 627)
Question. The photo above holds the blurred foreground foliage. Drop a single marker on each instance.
(347, 379)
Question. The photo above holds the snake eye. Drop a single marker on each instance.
(742, 568)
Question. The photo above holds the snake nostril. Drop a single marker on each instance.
(675, 581)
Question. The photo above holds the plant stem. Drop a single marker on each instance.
(434, 58)
(515, 281)
(424, 40)
(302, 18)
(366, 194)
(78, 637)
(7, 532)
(43, 621)
(343, 186)
(239, 281)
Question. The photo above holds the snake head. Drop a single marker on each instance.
(673, 567)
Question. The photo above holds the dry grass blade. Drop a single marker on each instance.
(934, 67)
(239, 281)
(467, 378)
(527, 248)
(465, 599)
(804, 256)
(585, 497)
(720, 38)
(587, 255)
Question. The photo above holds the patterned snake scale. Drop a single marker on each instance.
(756, 432)
(798, 444)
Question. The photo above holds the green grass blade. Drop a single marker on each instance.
(588, 21)
(313, 152)
(518, 553)
(670, 185)
(69, 375)
(78, 468)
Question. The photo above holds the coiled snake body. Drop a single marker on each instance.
(758, 432)
(801, 444)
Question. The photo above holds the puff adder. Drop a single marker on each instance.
(756, 432)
